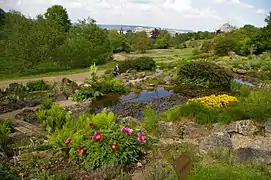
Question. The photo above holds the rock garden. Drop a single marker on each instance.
(135, 125)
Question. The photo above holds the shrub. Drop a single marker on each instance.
(39, 85)
(53, 118)
(140, 64)
(216, 76)
(98, 140)
(86, 93)
(6, 174)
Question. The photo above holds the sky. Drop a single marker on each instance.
(179, 14)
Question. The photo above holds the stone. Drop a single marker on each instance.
(62, 97)
(241, 71)
(27, 115)
(141, 75)
(244, 127)
(194, 131)
(253, 155)
(267, 128)
(216, 140)
(169, 129)
(139, 165)
(66, 81)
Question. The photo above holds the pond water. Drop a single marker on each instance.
(241, 81)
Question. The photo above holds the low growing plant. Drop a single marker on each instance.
(97, 140)
(38, 85)
(5, 128)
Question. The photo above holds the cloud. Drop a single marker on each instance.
(185, 14)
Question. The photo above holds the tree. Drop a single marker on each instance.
(118, 42)
(162, 41)
(86, 44)
(58, 16)
(2, 18)
(223, 44)
(268, 19)
(141, 41)
(155, 33)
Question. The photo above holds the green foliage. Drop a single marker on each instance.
(223, 44)
(112, 171)
(5, 128)
(226, 172)
(38, 85)
(216, 76)
(162, 41)
(140, 41)
(53, 118)
(46, 104)
(6, 174)
(150, 120)
(100, 152)
(119, 42)
(140, 64)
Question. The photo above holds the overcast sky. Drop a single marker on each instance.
(184, 14)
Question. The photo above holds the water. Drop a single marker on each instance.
(241, 81)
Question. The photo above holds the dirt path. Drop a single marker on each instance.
(79, 77)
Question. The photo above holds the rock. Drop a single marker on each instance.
(169, 129)
(62, 97)
(27, 115)
(241, 71)
(255, 155)
(193, 131)
(244, 127)
(139, 165)
(127, 119)
(141, 75)
(214, 141)
(66, 81)
(267, 128)
(257, 142)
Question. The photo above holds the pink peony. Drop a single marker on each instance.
(68, 141)
(97, 136)
(127, 130)
(80, 151)
(141, 138)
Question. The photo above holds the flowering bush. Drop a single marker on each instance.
(97, 140)
(215, 101)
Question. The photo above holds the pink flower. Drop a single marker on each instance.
(97, 136)
(114, 147)
(141, 138)
(127, 130)
(91, 124)
(80, 151)
(68, 141)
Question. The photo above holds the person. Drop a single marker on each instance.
(116, 70)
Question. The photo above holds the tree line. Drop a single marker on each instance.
(50, 42)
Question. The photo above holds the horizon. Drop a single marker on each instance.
(171, 14)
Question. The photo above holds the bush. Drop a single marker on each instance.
(6, 174)
(216, 76)
(53, 118)
(5, 127)
(140, 64)
(98, 140)
(39, 85)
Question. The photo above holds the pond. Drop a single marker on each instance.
(242, 81)
(161, 98)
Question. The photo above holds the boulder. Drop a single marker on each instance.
(194, 131)
(169, 129)
(267, 128)
(216, 140)
(244, 127)
(62, 97)
(253, 155)
(66, 81)
(241, 71)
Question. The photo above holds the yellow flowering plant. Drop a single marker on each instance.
(215, 101)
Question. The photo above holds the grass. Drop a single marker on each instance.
(55, 73)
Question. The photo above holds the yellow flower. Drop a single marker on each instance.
(212, 101)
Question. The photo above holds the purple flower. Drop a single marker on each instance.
(97, 136)
(127, 130)
(68, 141)
(141, 138)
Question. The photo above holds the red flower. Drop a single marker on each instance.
(68, 141)
(97, 136)
(141, 138)
(114, 147)
(91, 124)
(80, 151)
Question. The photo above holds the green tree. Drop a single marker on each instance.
(59, 16)
(162, 41)
(2, 18)
(223, 44)
(119, 42)
(86, 44)
(141, 41)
